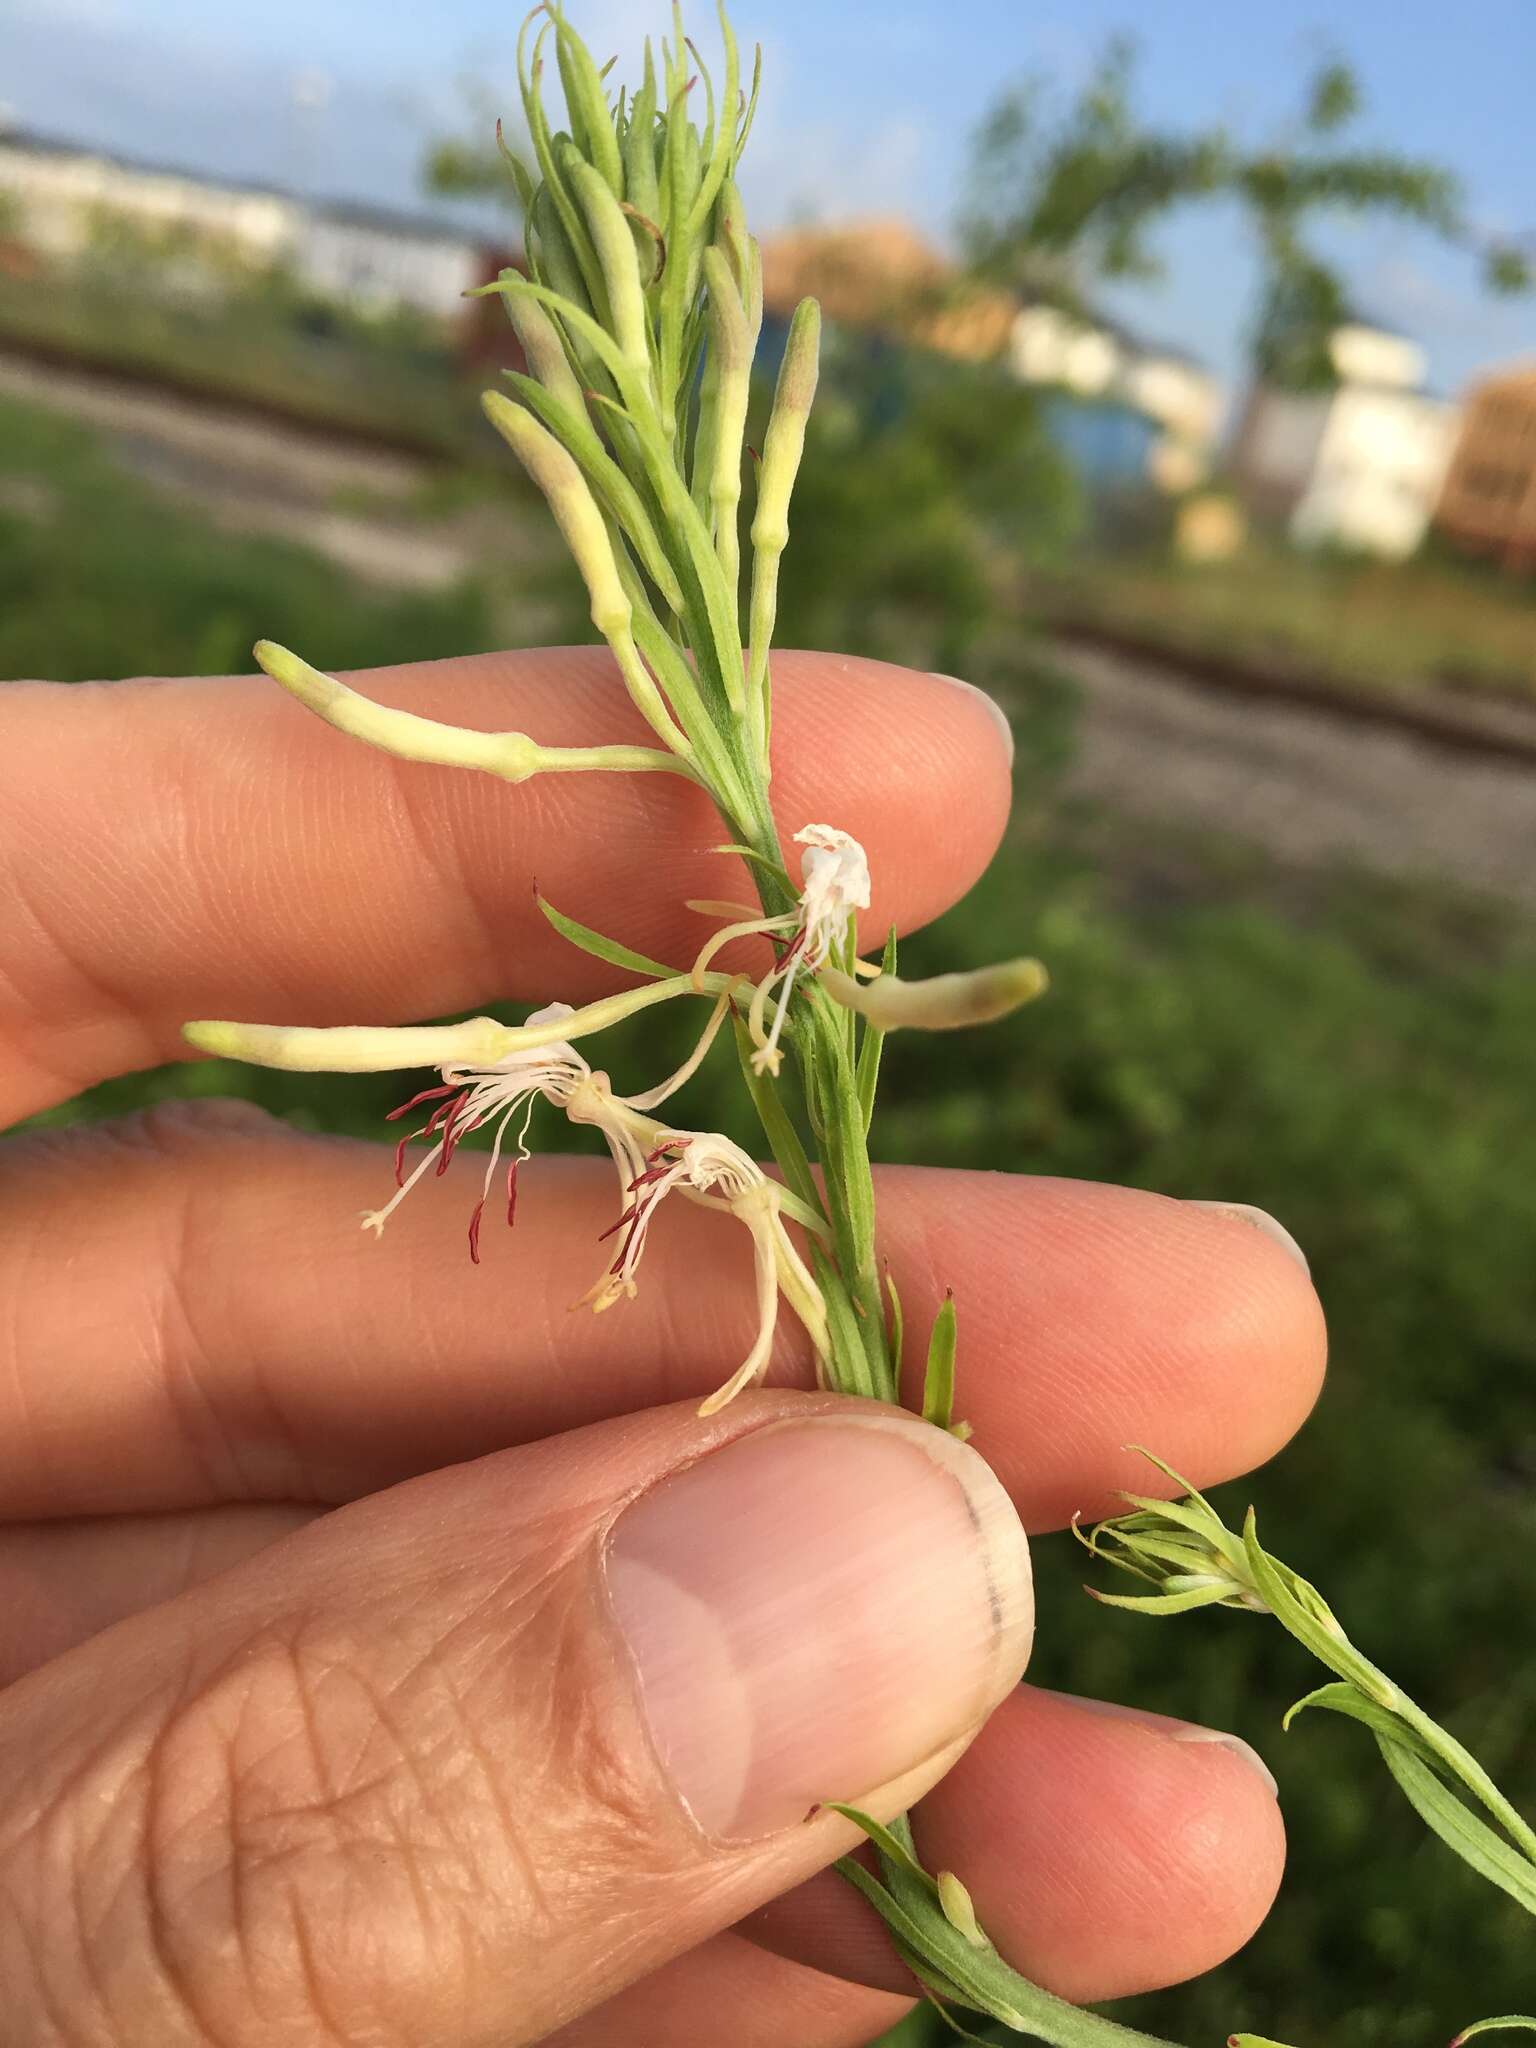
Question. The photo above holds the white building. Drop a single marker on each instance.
(62, 198)
(380, 262)
(1095, 360)
(1359, 465)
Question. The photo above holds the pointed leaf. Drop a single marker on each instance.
(939, 1375)
(1489, 1854)
(611, 950)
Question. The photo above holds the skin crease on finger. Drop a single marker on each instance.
(205, 819)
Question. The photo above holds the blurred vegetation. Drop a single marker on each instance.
(1438, 623)
(925, 483)
(258, 339)
(1359, 1059)
(100, 576)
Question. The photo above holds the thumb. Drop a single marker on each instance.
(456, 1762)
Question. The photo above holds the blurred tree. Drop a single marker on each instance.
(471, 164)
(1065, 200)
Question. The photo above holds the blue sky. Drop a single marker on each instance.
(867, 107)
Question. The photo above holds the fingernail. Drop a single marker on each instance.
(1261, 1220)
(815, 1610)
(991, 703)
(1189, 1731)
(1184, 1731)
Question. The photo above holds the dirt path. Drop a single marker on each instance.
(259, 476)
(1309, 786)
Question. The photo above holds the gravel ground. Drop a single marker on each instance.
(1308, 786)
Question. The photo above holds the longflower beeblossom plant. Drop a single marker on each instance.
(638, 321)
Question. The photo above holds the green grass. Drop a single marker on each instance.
(1358, 1059)
(100, 576)
(1430, 624)
(256, 346)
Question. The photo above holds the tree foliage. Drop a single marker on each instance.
(1065, 199)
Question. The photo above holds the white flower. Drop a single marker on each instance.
(469, 1098)
(708, 1168)
(834, 887)
(835, 876)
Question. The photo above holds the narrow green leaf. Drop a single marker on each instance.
(1489, 1854)
(886, 1840)
(939, 1374)
(1340, 1698)
(603, 949)
(868, 1071)
(1162, 1603)
(763, 860)
(895, 1329)
(1509, 2021)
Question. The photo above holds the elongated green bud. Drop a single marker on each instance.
(946, 1002)
(641, 187)
(783, 446)
(511, 755)
(384, 1049)
(543, 348)
(557, 264)
(587, 105)
(731, 345)
(614, 241)
(557, 475)
(958, 1909)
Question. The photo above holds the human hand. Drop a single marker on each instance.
(312, 1732)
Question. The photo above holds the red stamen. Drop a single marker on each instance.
(442, 1113)
(426, 1095)
(511, 1194)
(453, 1131)
(400, 1159)
(474, 1233)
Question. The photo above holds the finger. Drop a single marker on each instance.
(62, 1582)
(1107, 1852)
(1091, 1317)
(765, 2000)
(229, 855)
(505, 1739)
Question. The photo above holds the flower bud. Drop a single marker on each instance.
(576, 514)
(944, 1003)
